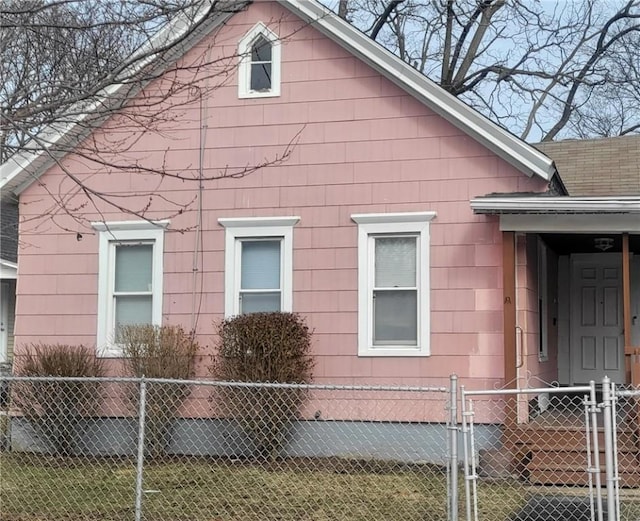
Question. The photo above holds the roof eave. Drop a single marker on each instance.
(511, 148)
(21, 169)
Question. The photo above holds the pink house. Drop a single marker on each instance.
(378, 224)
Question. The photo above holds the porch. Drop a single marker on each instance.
(571, 307)
(571, 290)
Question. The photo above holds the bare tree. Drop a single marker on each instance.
(74, 64)
(543, 70)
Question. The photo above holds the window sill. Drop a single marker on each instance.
(396, 351)
(250, 95)
(110, 352)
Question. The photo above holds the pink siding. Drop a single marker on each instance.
(364, 146)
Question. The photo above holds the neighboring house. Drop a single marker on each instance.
(8, 275)
(383, 227)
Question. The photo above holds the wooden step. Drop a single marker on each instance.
(567, 477)
(557, 455)
(577, 460)
(564, 438)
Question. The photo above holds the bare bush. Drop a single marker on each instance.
(266, 348)
(159, 352)
(55, 409)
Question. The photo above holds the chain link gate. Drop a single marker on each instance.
(621, 405)
(533, 454)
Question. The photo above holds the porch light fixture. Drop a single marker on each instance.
(603, 243)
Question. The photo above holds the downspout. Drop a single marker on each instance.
(197, 247)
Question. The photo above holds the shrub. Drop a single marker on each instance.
(263, 348)
(159, 352)
(56, 408)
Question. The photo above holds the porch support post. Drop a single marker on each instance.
(630, 358)
(626, 290)
(509, 307)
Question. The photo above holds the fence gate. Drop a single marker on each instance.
(533, 454)
(621, 407)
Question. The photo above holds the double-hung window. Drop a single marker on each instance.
(132, 282)
(393, 284)
(258, 264)
(259, 67)
(260, 285)
(129, 278)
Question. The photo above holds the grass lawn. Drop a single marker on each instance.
(38, 488)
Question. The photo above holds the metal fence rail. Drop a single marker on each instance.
(116, 449)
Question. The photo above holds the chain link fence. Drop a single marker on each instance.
(116, 449)
(142, 449)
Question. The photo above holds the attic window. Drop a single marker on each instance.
(259, 67)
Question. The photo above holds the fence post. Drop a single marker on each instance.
(140, 460)
(593, 411)
(609, 448)
(453, 448)
(467, 437)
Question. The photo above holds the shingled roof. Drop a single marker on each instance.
(597, 167)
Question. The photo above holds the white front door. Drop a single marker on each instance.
(597, 336)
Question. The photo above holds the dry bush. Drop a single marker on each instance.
(166, 352)
(263, 348)
(56, 408)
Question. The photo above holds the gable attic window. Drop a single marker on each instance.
(393, 284)
(259, 67)
(130, 276)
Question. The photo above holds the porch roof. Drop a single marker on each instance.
(549, 204)
(561, 214)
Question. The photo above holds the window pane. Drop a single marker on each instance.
(260, 265)
(260, 76)
(261, 50)
(395, 317)
(395, 262)
(132, 310)
(134, 267)
(256, 302)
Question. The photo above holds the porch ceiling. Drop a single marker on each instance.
(568, 243)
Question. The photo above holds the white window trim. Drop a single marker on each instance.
(256, 227)
(244, 65)
(109, 234)
(392, 223)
